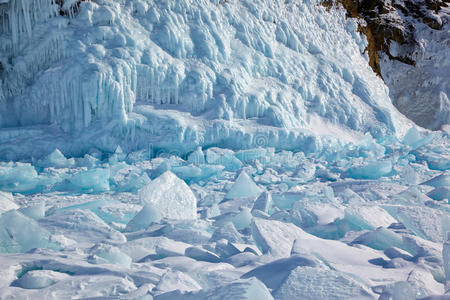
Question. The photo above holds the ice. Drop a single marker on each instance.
(81, 226)
(373, 170)
(227, 231)
(7, 202)
(422, 248)
(156, 247)
(116, 116)
(223, 157)
(411, 137)
(146, 216)
(243, 219)
(380, 239)
(263, 203)
(394, 252)
(18, 177)
(244, 186)
(194, 173)
(107, 254)
(367, 217)
(201, 254)
(446, 258)
(91, 181)
(197, 157)
(57, 160)
(440, 193)
(323, 213)
(35, 211)
(246, 289)
(176, 280)
(171, 196)
(303, 283)
(273, 274)
(424, 222)
(442, 180)
(225, 249)
(239, 93)
(20, 233)
(39, 279)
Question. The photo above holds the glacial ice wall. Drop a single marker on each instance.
(184, 73)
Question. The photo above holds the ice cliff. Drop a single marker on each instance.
(179, 74)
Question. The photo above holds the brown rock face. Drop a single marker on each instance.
(387, 21)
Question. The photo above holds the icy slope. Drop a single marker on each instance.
(183, 73)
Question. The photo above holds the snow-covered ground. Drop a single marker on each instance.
(362, 221)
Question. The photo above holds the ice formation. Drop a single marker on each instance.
(278, 236)
(176, 75)
(170, 196)
(209, 149)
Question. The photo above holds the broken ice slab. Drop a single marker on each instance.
(7, 202)
(244, 186)
(440, 193)
(146, 216)
(19, 233)
(442, 180)
(171, 196)
(243, 289)
(108, 254)
(374, 170)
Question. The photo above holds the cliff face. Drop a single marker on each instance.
(186, 73)
(408, 44)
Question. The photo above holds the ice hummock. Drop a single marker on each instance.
(244, 186)
(183, 238)
(170, 196)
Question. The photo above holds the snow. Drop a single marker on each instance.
(428, 79)
(170, 196)
(312, 283)
(107, 254)
(149, 74)
(240, 290)
(363, 236)
(209, 150)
